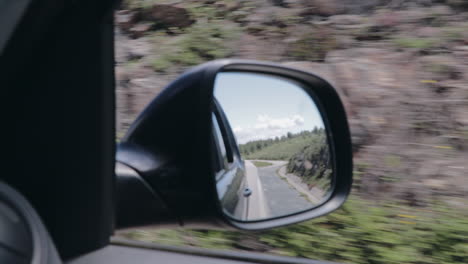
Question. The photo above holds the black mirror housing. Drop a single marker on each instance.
(169, 147)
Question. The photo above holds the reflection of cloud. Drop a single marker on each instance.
(238, 129)
(264, 121)
(268, 127)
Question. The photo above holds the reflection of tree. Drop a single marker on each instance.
(312, 163)
(279, 148)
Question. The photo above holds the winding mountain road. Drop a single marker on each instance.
(281, 197)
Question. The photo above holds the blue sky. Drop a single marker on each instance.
(260, 106)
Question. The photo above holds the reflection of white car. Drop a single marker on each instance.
(258, 206)
(237, 180)
(231, 182)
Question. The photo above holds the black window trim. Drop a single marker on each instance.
(224, 132)
(219, 160)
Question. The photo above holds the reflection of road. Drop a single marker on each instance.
(315, 195)
(282, 198)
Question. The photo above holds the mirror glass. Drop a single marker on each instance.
(272, 152)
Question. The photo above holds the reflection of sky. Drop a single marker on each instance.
(260, 106)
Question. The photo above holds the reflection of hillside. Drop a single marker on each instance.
(307, 154)
(314, 194)
(312, 163)
(279, 148)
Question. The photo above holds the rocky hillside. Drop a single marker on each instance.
(312, 163)
(401, 68)
(281, 148)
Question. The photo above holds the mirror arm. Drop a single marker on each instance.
(138, 203)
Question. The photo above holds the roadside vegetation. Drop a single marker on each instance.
(401, 70)
(307, 154)
(279, 148)
(360, 232)
(312, 163)
(202, 42)
(260, 164)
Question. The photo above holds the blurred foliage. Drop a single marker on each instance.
(415, 43)
(207, 12)
(132, 4)
(455, 33)
(313, 45)
(261, 164)
(201, 42)
(360, 232)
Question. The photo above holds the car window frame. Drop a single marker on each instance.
(228, 143)
(222, 159)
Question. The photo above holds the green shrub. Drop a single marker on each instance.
(200, 43)
(259, 164)
(132, 4)
(276, 149)
(312, 46)
(160, 65)
(359, 232)
(415, 43)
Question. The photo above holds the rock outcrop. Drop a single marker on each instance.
(400, 67)
(136, 22)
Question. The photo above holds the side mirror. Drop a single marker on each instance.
(237, 143)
